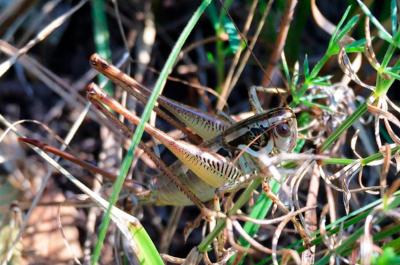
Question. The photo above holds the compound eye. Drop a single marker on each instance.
(283, 130)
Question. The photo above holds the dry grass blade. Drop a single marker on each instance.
(171, 228)
(225, 93)
(369, 190)
(46, 76)
(10, 13)
(269, 221)
(321, 21)
(392, 104)
(44, 33)
(329, 241)
(275, 240)
(67, 244)
(232, 242)
(171, 259)
(310, 217)
(280, 42)
(228, 80)
(346, 66)
(249, 239)
(369, 50)
(353, 143)
(385, 168)
(366, 244)
(145, 42)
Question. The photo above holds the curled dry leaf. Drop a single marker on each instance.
(347, 68)
(354, 142)
(382, 113)
(236, 246)
(340, 98)
(369, 51)
(324, 23)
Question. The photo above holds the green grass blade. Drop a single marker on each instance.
(285, 69)
(140, 128)
(393, 15)
(382, 31)
(339, 25)
(343, 127)
(349, 25)
(347, 246)
(344, 222)
(101, 38)
(259, 211)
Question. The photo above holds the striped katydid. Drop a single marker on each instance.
(267, 132)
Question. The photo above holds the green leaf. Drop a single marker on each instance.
(382, 33)
(306, 67)
(339, 25)
(393, 15)
(233, 36)
(388, 257)
(101, 38)
(285, 68)
(349, 25)
(392, 74)
(356, 46)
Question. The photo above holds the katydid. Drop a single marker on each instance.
(274, 130)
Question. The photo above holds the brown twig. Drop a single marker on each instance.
(280, 42)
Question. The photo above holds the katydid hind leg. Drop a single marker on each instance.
(211, 167)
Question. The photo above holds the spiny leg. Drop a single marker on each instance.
(205, 125)
(211, 167)
(168, 173)
(187, 184)
(128, 184)
(205, 212)
(136, 90)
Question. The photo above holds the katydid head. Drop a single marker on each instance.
(284, 134)
(271, 131)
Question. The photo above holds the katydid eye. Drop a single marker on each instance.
(283, 130)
